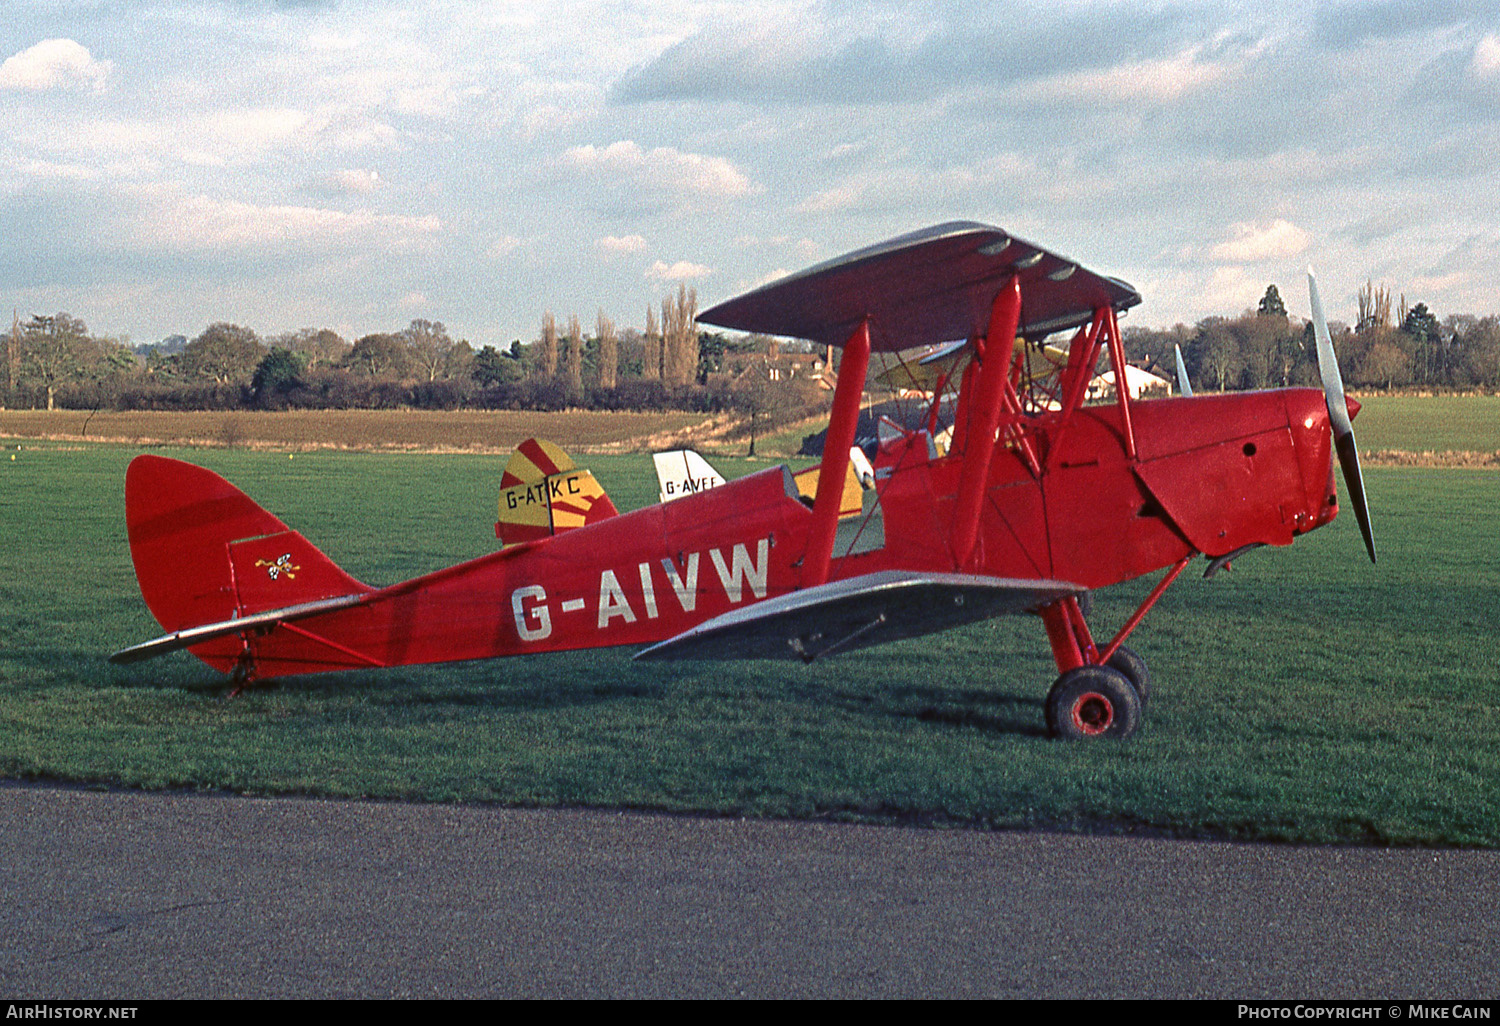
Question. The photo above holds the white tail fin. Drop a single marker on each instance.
(683, 472)
(1184, 386)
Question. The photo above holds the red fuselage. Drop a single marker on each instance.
(1210, 475)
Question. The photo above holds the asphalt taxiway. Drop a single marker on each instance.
(127, 895)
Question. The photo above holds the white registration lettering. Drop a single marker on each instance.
(686, 588)
(612, 601)
(540, 612)
(648, 591)
(741, 571)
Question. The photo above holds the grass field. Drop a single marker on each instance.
(1306, 696)
(1408, 423)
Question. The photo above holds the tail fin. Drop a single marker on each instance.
(205, 553)
(859, 477)
(683, 472)
(544, 493)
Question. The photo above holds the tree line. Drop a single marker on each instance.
(53, 361)
(1265, 348)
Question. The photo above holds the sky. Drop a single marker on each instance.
(358, 164)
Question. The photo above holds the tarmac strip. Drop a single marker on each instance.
(120, 895)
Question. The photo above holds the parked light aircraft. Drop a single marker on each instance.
(1039, 497)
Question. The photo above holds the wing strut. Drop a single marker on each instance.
(842, 424)
(979, 440)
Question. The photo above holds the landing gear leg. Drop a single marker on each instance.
(1090, 698)
(1085, 700)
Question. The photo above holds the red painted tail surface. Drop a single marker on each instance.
(204, 552)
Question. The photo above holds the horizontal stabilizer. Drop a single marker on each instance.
(855, 613)
(193, 635)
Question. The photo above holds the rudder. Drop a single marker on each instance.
(543, 493)
(205, 552)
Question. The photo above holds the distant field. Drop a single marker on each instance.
(1405, 424)
(1306, 696)
(429, 430)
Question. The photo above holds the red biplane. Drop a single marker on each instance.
(1038, 497)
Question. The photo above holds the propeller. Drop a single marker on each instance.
(1338, 416)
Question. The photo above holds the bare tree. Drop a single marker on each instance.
(51, 352)
(1481, 352)
(549, 346)
(12, 351)
(679, 336)
(1374, 307)
(1218, 351)
(573, 357)
(651, 341)
(381, 355)
(318, 347)
(430, 347)
(609, 351)
(224, 353)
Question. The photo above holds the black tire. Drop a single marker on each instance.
(1134, 669)
(1093, 702)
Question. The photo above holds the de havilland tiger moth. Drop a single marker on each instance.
(1038, 496)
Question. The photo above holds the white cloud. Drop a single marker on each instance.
(1485, 64)
(202, 223)
(1253, 243)
(682, 270)
(1151, 81)
(348, 182)
(211, 139)
(54, 64)
(234, 167)
(664, 168)
(963, 186)
(839, 198)
(616, 244)
(765, 279)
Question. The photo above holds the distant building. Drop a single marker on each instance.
(1137, 383)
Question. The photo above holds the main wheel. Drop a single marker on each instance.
(1093, 701)
(1134, 669)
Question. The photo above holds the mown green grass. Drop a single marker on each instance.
(1438, 423)
(1306, 696)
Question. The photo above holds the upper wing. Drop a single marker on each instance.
(933, 285)
(857, 612)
